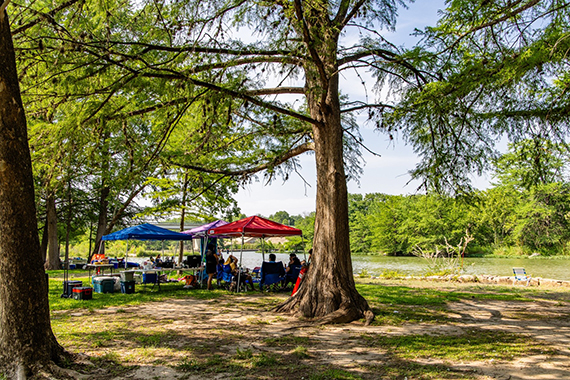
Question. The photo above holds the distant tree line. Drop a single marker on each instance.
(527, 210)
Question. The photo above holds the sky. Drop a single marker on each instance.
(385, 174)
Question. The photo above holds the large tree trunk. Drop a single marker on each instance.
(44, 241)
(26, 338)
(52, 259)
(103, 197)
(183, 216)
(328, 291)
(102, 221)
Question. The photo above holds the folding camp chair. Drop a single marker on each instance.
(520, 275)
(226, 276)
(271, 274)
(292, 276)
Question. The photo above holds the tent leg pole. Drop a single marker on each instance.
(239, 269)
(202, 255)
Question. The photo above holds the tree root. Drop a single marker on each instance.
(41, 369)
(342, 315)
(369, 317)
(287, 306)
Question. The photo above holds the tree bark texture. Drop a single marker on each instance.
(328, 292)
(44, 241)
(183, 216)
(26, 338)
(52, 259)
(102, 221)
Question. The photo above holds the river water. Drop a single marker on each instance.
(553, 268)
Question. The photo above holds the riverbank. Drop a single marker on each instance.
(488, 279)
(423, 330)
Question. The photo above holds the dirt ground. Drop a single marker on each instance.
(191, 328)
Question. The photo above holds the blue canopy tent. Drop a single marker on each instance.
(145, 232)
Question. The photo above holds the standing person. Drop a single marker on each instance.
(211, 265)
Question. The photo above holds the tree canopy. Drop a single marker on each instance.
(246, 86)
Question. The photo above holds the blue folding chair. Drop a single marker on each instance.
(227, 276)
(292, 276)
(271, 274)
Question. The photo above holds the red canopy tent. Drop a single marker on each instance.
(254, 226)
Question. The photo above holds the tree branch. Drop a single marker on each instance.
(386, 55)
(3, 8)
(309, 41)
(351, 15)
(365, 106)
(494, 22)
(222, 65)
(198, 49)
(143, 111)
(255, 169)
(277, 91)
(235, 94)
(42, 16)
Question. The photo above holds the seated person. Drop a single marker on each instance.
(220, 271)
(293, 262)
(292, 270)
(243, 278)
(158, 260)
(232, 261)
(271, 272)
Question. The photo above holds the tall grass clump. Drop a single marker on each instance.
(446, 261)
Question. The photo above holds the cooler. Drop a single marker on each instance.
(69, 285)
(149, 278)
(103, 285)
(127, 287)
(127, 276)
(82, 293)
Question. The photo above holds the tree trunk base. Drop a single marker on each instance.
(347, 312)
(45, 371)
(41, 368)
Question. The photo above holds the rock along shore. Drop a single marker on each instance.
(501, 280)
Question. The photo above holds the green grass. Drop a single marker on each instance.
(405, 295)
(399, 369)
(143, 294)
(473, 346)
(243, 354)
(398, 304)
(301, 352)
(335, 374)
(288, 340)
(119, 336)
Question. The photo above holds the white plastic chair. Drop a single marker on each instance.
(520, 275)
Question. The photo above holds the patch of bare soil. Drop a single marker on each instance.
(190, 329)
